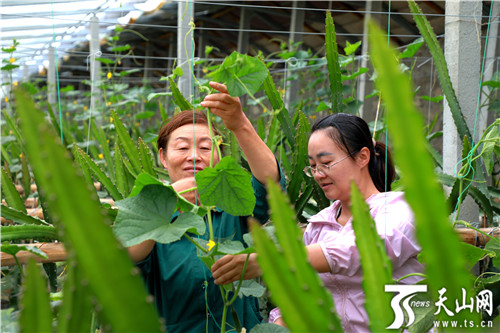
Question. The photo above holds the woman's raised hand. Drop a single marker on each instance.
(260, 158)
(226, 107)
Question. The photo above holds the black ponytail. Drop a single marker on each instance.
(380, 171)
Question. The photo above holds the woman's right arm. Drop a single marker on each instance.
(317, 258)
(280, 321)
(276, 318)
(140, 251)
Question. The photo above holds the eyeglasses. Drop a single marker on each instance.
(322, 169)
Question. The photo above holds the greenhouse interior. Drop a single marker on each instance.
(250, 166)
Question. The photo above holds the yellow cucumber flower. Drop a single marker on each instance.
(210, 244)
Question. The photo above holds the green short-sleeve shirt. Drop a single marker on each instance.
(183, 288)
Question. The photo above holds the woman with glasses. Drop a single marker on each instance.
(341, 150)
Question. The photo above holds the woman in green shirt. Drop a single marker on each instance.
(185, 291)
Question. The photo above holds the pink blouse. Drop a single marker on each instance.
(395, 225)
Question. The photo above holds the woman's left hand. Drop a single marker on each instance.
(229, 268)
(226, 107)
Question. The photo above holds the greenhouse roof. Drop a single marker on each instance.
(38, 24)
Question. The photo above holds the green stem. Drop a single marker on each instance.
(218, 149)
(480, 277)
(195, 243)
(468, 225)
(210, 226)
(476, 146)
(230, 303)
(412, 274)
(223, 293)
(240, 282)
(223, 324)
(188, 190)
(18, 264)
(214, 140)
(236, 319)
(465, 170)
(482, 152)
(137, 33)
(460, 199)
(191, 24)
(93, 323)
(249, 93)
(211, 133)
